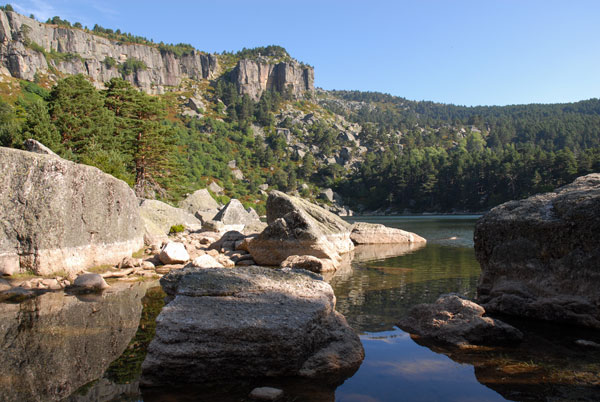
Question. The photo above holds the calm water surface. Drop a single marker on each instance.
(90, 349)
(379, 291)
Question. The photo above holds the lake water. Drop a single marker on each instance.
(90, 349)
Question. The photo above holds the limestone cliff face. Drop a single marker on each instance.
(253, 77)
(21, 61)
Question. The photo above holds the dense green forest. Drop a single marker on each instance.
(443, 157)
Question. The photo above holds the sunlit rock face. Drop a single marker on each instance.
(162, 69)
(56, 215)
(55, 343)
(298, 227)
(540, 256)
(251, 322)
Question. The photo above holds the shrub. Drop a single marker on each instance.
(176, 229)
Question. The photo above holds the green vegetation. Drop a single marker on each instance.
(131, 66)
(443, 157)
(176, 229)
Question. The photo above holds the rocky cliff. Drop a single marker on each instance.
(74, 51)
(253, 77)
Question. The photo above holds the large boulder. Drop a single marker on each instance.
(250, 322)
(457, 321)
(56, 215)
(540, 256)
(297, 227)
(372, 233)
(201, 204)
(158, 218)
(234, 213)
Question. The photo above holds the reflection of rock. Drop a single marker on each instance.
(455, 320)
(247, 323)
(53, 344)
(546, 366)
(106, 390)
(371, 252)
(539, 256)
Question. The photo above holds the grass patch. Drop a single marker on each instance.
(101, 268)
(139, 254)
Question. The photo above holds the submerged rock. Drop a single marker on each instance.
(56, 215)
(540, 256)
(455, 320)
(372, 233)
(246, 323)
(297, 227)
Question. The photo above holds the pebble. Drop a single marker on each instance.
(266, 393)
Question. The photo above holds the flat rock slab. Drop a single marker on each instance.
(457, 321)
(249, 322)
(373, 233)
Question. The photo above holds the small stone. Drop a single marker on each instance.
(52, 284)
(308, 262)
(93, 282)
(245, 263)
(205, 261)
(587, 344)
(266, 394)
(174, 253)
(213, 253)
(130, 262)
(147, 265)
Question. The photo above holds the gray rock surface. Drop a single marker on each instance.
(372, 233)
(455, 320)
(297, 227)
(199, 200)
(234, 213)
(158, 217)
(215, 188)
(162, 68)
(253, 77)
(266, 393)
(249, 322)
(540, 256)
(32, 145)
(93, 282)
(309, 263)
(57, 215)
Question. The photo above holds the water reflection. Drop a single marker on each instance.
(54, 343)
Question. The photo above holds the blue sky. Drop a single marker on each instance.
(468, 52)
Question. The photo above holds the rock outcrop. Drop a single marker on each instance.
(297, 227)
(158, 218)
(249, 322)
(57, 215)
(540, 256)
(201, 204)
(372, 233)
(89, 55)
(455, 320)
(253, 77)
